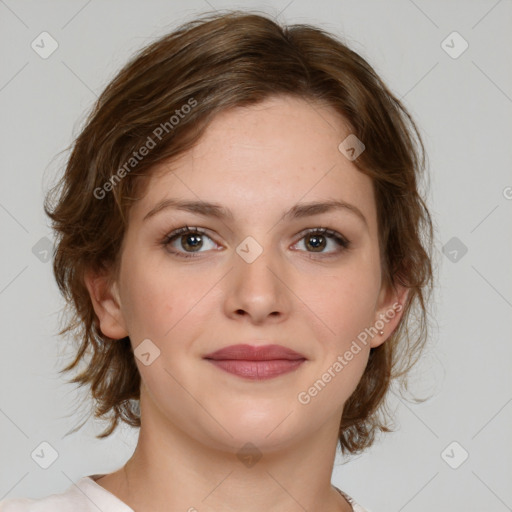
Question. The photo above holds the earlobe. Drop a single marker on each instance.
(389, 314)
(106, 302)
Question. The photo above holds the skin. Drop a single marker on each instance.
(258, 161)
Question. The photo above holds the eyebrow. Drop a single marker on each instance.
(298, 211)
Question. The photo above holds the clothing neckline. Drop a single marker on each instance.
(355, 506)
(96, 490)
(115, 502)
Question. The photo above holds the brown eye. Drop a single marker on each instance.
(316, 240)
(192, 241)
(186, 241)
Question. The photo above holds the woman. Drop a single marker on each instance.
(244, 249)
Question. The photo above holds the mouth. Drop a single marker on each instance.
(256, 362)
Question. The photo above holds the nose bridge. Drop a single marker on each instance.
(257, 285)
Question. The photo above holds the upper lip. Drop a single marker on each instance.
(255, 353)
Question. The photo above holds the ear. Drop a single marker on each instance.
(107, 304)
(390, 308)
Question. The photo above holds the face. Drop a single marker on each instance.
(263, 272)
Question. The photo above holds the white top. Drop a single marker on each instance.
(355, 506)
(88, 496)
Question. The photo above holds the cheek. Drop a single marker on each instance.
(159, 301)
(148, 304)
(345, 300)
(345, 350)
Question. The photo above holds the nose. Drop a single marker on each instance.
(258, 290)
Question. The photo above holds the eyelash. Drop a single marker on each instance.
(343, 242)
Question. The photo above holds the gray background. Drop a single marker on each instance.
(463, 106)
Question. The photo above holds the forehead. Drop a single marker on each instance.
(265, 158)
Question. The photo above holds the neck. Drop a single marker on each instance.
(170, 470)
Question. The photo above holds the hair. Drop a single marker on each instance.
(163, 99)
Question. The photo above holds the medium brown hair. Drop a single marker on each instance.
(211, 64)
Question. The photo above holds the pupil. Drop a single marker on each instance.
(193, 245)
(317, 241)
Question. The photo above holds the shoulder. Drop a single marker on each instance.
(355, 506)
(71, 499)
(53, 503)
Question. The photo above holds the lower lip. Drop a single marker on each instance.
(257, 370)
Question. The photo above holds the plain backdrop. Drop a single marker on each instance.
(451, 452)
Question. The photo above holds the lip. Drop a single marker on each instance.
(256, 362)
(255, 353)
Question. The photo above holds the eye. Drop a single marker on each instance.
(190, 239)
(317, 239)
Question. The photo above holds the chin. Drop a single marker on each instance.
(268, 431)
